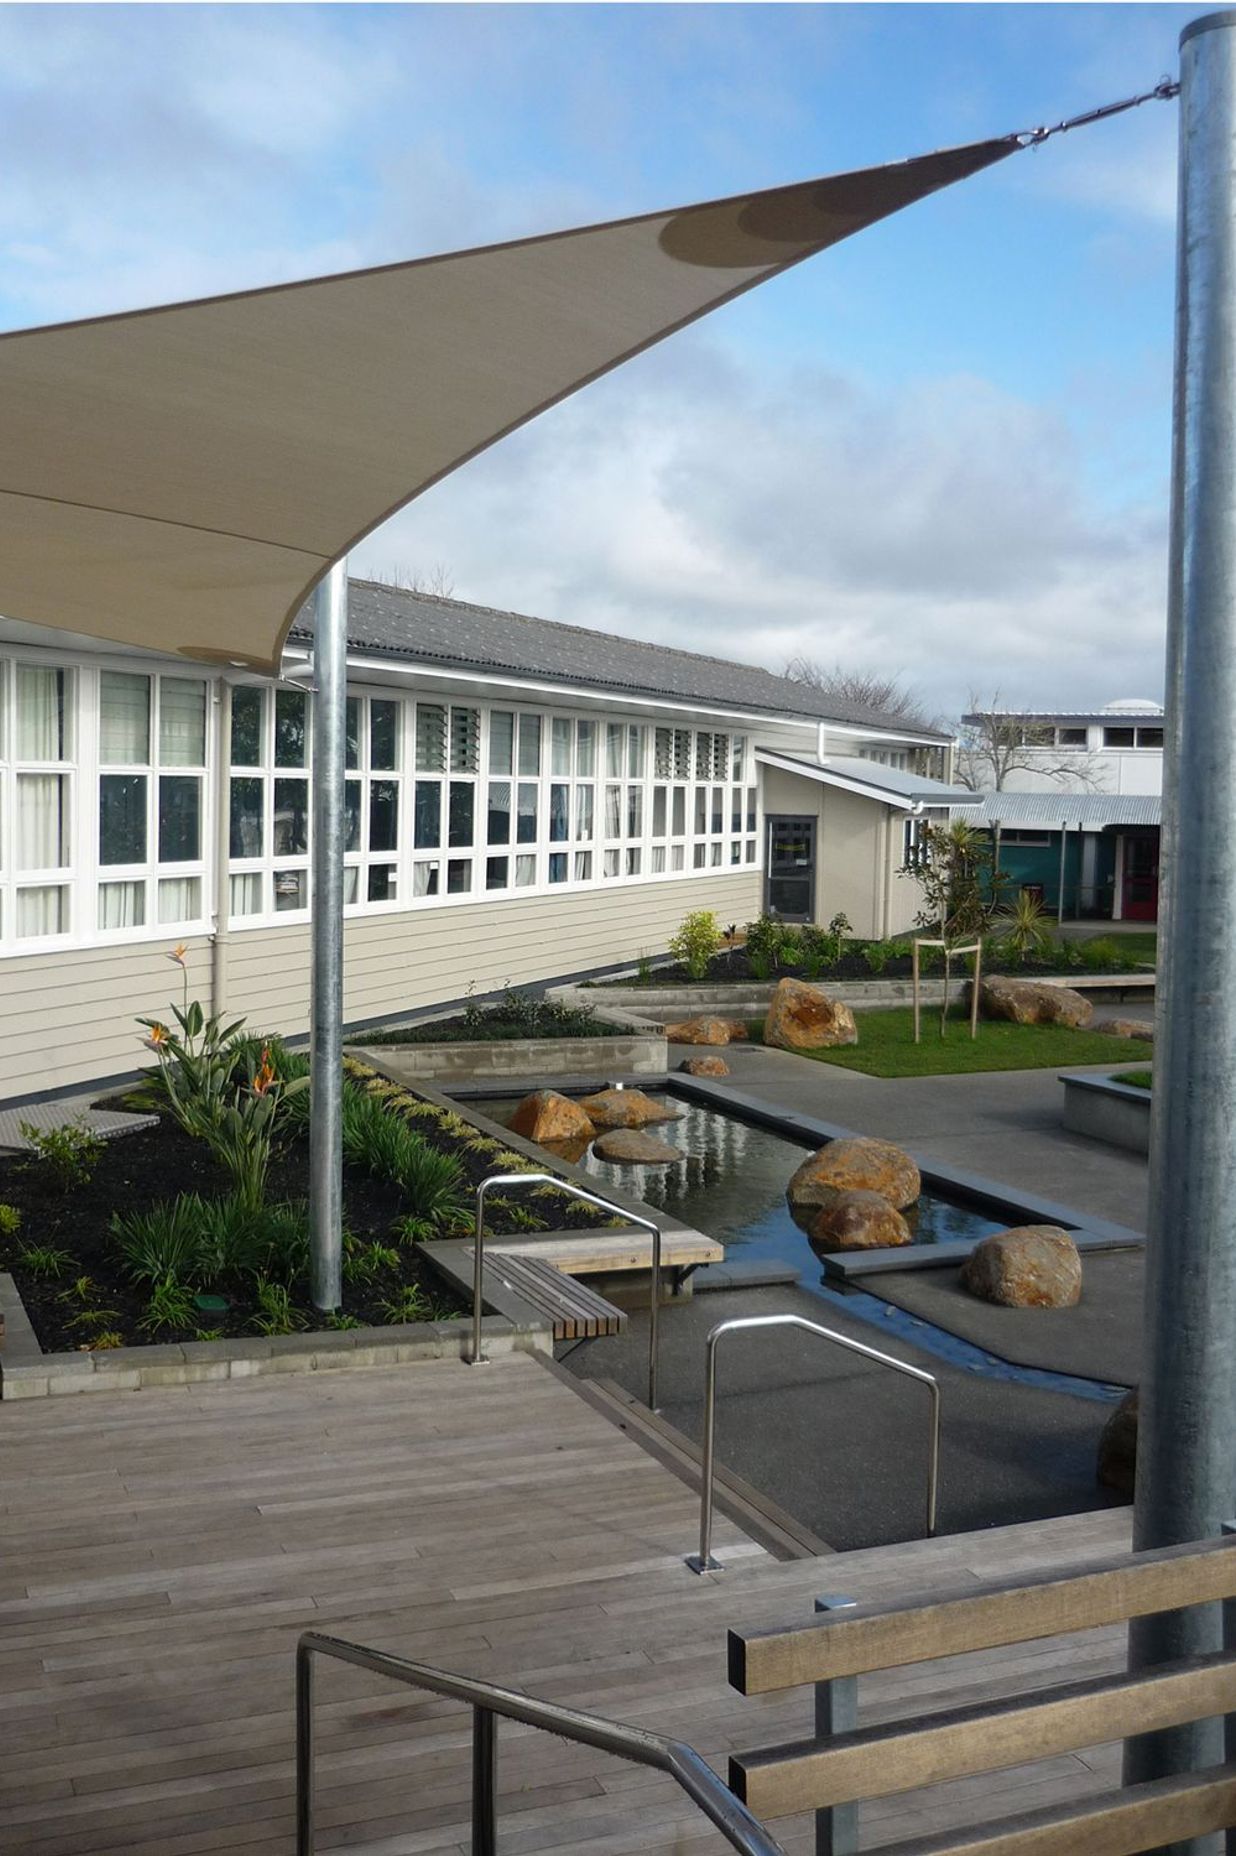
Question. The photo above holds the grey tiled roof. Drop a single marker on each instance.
(426, 629)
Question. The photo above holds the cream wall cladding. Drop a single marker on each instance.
(70, 1018)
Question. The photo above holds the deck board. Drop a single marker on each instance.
(163, 1549)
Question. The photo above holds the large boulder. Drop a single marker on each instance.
(1030, 1002)
(857, 1165)
(545, 1116)
(802, 1017)
(1117, 1462)
(704, 1066)
(707, 1030)
(858, 1221)
(626, 1108)
(1029, 1266)
(1125, 1028)
(632, 1147)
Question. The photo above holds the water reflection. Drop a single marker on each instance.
(731, 1184)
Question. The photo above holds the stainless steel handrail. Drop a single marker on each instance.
(488, 1703)
(589, 1198)
(703, 1560)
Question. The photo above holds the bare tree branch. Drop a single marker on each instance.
(434, 582)
(868, 688)
(996, 743)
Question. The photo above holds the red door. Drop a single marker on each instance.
(1139, 883)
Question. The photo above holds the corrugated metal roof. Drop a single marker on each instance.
(891, 782)
(1092, 810)
(419, 628)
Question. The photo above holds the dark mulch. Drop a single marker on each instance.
(138, 1170)
(461, 1030)
(735, 968)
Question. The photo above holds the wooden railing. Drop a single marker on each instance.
(845, 1764)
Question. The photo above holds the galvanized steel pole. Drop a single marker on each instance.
(330, 671)
(1186, 1472)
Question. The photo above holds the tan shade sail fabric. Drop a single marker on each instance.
(180, 478)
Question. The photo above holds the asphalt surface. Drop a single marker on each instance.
(841, 1443)
(1099, 1339)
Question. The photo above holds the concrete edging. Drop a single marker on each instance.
(642, 1053)
(1104, 1109)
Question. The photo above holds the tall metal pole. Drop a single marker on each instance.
(1186, 1472)
(330, 642)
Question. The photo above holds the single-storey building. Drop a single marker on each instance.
(526, 801)
(1086, 856)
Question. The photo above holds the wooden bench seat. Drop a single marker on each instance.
(605, 1252)
(575, 1311)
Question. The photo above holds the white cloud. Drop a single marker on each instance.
(946, 532)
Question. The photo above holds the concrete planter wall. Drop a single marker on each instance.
(665, 1005)
(642, 1053)
(1106, 1110)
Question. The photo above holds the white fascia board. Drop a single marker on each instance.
(824, 776)
(572, 693)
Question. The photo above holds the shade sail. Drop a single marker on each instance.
(179, 478)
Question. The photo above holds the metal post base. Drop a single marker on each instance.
(697, 1564)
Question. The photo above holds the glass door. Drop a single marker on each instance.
(789, 885)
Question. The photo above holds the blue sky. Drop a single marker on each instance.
(941, 448)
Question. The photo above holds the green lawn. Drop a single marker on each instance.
(1141, 944)
(886, 1046)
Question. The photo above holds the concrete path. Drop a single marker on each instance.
(1004, 1124)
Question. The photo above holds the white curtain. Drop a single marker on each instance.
(41, 707)
(525, 872)
(247, 894)
(124, 719)
(42, 911)
(178, 898)
(42, 821)
(182, 722)
(122, 905)
(613, 811)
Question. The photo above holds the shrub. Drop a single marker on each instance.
(68, 1154)
(1024, 929)
(760, 964)
(164, 1242)
(199, 1240)
(362, 1262)
(877, 955)
(1104, 954)
(170, 1306)
(383, 1144)
(197, 1064)
(43, 1260)
(526, 1014)
(10, 1220)
(275, 1313)
(697, 940)
(409, 1303)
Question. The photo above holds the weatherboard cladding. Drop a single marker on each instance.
(419, 628)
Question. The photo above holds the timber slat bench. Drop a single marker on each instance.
(836, 1770)
(575, 1311)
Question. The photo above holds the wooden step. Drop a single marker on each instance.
(576, 1312)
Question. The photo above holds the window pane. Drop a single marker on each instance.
(496, 869)
(703, 755)
(247, 894)
(462, 816)
(425, 879)
(291, 824)
(124, 719)
(427, 832)
(182, 722)
(615, 741)
(663, 753)
(557, 866)
(180, 899)
(351, 734)
(291, 728)
(701, 810)
(430, 738)
(525, 872)
(383, 736)
(738, 755)
(658, 859)
(43, 699)
(246, 735)
(525, 829)
(682, 753)
(718, 809)
(42, 911)
(381, 882)
(700, 856)
(678, 856)
(180, 824)
(465, 740)
(583, 811)
(246, 818)
(680, 811)
(530, 744)
(613, 811)
(122, 905)
(736, 809)
(659, 797)
(291, 889)
(736, 853)
(122, 819)
(750, 850)
(583, 866)
(559, 828)
(714, 854)
(42, 823)
(635, 753)
(560, 745)
(498, 819)
(633, 861)
(585, 748)
(635, 811)
(383, 815)
(352, 815)
(610, 865)
(501, 741)
(351, 885)
(458, 876)
(751, 794)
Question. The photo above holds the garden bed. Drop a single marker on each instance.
(80, 1290)
(883, 960)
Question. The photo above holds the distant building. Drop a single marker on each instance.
(1116, 749)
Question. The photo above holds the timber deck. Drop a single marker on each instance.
(163, 1549)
